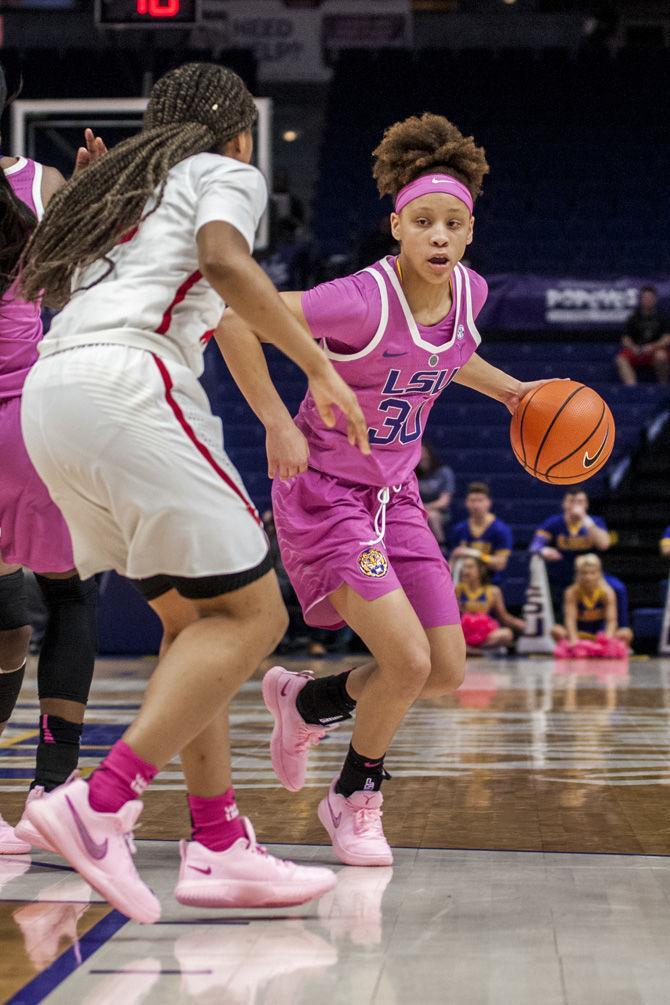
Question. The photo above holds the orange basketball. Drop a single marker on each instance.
(562, 432)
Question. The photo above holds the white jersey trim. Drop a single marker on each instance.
(381, 328)
(15, 168)
(37, 190)
(468, 307)
(409, 317)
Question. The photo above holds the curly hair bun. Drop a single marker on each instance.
(425, 143)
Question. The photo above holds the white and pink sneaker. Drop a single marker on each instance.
(355, 827)
(292, 736)
(244, 875)
(25, 830)
(98, 845)
(10, 842)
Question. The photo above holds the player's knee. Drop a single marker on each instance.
(14, 647)
(446, 677)
(411, 671)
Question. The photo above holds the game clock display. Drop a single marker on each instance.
(147, 13)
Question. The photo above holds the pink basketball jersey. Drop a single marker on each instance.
(397, 378)
(20, 322)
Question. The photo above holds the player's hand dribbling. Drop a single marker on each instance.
(328, 389)
(525, 386)
(287, 451)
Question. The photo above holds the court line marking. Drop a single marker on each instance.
(72, 959)
(19, 739)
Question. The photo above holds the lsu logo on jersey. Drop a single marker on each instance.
(373, 563)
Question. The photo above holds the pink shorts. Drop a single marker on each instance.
(323, 525)
(32, 530)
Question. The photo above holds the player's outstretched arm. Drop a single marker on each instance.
(225, 262)
(286, 447)
(489, 380)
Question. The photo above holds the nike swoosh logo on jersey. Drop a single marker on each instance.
(337, 819)
(95, 849)
(285, 689)
(390, 355)
(205, 872)
(590, 461)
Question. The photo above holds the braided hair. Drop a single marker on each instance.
(195, 108)
(16, 220)
(427, 144)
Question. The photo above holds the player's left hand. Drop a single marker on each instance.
(287, 451)
(524, 387)
(95, 149)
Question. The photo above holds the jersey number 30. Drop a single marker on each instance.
(403, 422)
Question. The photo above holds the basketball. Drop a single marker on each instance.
(562, 432)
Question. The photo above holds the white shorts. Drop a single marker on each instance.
(131, 454)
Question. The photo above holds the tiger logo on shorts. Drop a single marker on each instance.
(373, 563)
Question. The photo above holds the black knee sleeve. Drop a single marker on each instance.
(13, 602)
(10, 687)
(69, 648)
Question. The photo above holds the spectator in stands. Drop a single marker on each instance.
(288, 262)
(561, 538)
(590, 606)
(482, 535)
(377, 243)
(436, 488)
(664, 543)
(483, 610)
(646, 341)
(285, 207)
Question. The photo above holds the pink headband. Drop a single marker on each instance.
(428, 183)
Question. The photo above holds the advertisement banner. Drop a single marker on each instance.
(537, 303)
(289, 43)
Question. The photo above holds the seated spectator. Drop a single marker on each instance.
(482, 535)
(483, 610)
(436, 487)
(664, 543)
(645, 341)
(561, 538)
(589, 606)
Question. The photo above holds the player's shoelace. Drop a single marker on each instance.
(259, 849)
(368, 822)
(309, 736)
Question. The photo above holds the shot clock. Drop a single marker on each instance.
(147, 13)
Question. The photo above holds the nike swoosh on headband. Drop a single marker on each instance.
(588, 462)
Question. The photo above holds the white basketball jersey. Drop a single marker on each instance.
(155, 297)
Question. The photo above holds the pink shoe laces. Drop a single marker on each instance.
(259, 849)
(368, 822)
(309, 735)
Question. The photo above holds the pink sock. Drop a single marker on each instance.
(216, 821)
(122, 776)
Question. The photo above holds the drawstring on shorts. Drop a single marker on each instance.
(383, 497)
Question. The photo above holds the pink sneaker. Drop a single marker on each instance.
(355, 827)
(98, 845)
(25, 830)
(10, 842)
(244, 875)
(292, 736)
